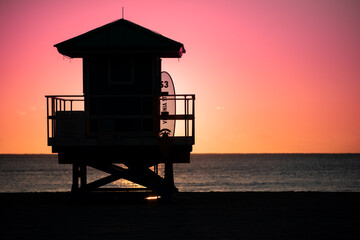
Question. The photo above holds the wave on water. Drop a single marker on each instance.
(205, 173)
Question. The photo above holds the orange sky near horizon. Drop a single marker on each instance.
(270, 76)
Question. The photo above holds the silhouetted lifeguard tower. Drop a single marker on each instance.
(124, 123)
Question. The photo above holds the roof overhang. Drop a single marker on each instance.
(119, 38)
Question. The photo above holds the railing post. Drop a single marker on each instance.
(193, 118)
(47, 118)
(185, 110)
(142, 119)
(53, 111)
(187, 114)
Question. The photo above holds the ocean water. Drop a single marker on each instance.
(205, 173)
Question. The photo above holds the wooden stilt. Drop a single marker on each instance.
(79, 173)
(83, 180)
(170, 188)
(156, 168)
(75, 184)
(169, 174)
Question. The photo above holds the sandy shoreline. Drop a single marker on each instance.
(225, 215)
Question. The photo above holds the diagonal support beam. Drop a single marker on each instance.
(108, 168)
(139, 174)
(101, 182)
(146, 177)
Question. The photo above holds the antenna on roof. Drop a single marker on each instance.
(122, 12)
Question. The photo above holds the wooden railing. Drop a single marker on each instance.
(56, 103)
(185, 111)
(74, 105)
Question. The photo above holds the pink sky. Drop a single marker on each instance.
(269, 76)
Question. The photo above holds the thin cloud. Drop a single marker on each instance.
(21, 113)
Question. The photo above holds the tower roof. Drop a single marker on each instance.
(121, 37)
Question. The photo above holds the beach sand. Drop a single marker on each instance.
(219, 215)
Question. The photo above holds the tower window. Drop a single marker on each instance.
(121, 71)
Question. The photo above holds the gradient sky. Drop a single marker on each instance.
(269, 76)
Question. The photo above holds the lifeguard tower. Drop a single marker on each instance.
(124, 123)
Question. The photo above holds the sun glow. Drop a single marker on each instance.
(269, 76)
(153, 197)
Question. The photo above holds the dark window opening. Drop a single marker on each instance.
(121, 71)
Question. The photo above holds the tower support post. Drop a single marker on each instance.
(79, 176)
(170, 188)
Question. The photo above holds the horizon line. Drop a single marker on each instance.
(211, 153)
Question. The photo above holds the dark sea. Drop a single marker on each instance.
(205, 173)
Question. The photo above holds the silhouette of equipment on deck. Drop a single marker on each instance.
(126, 115)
